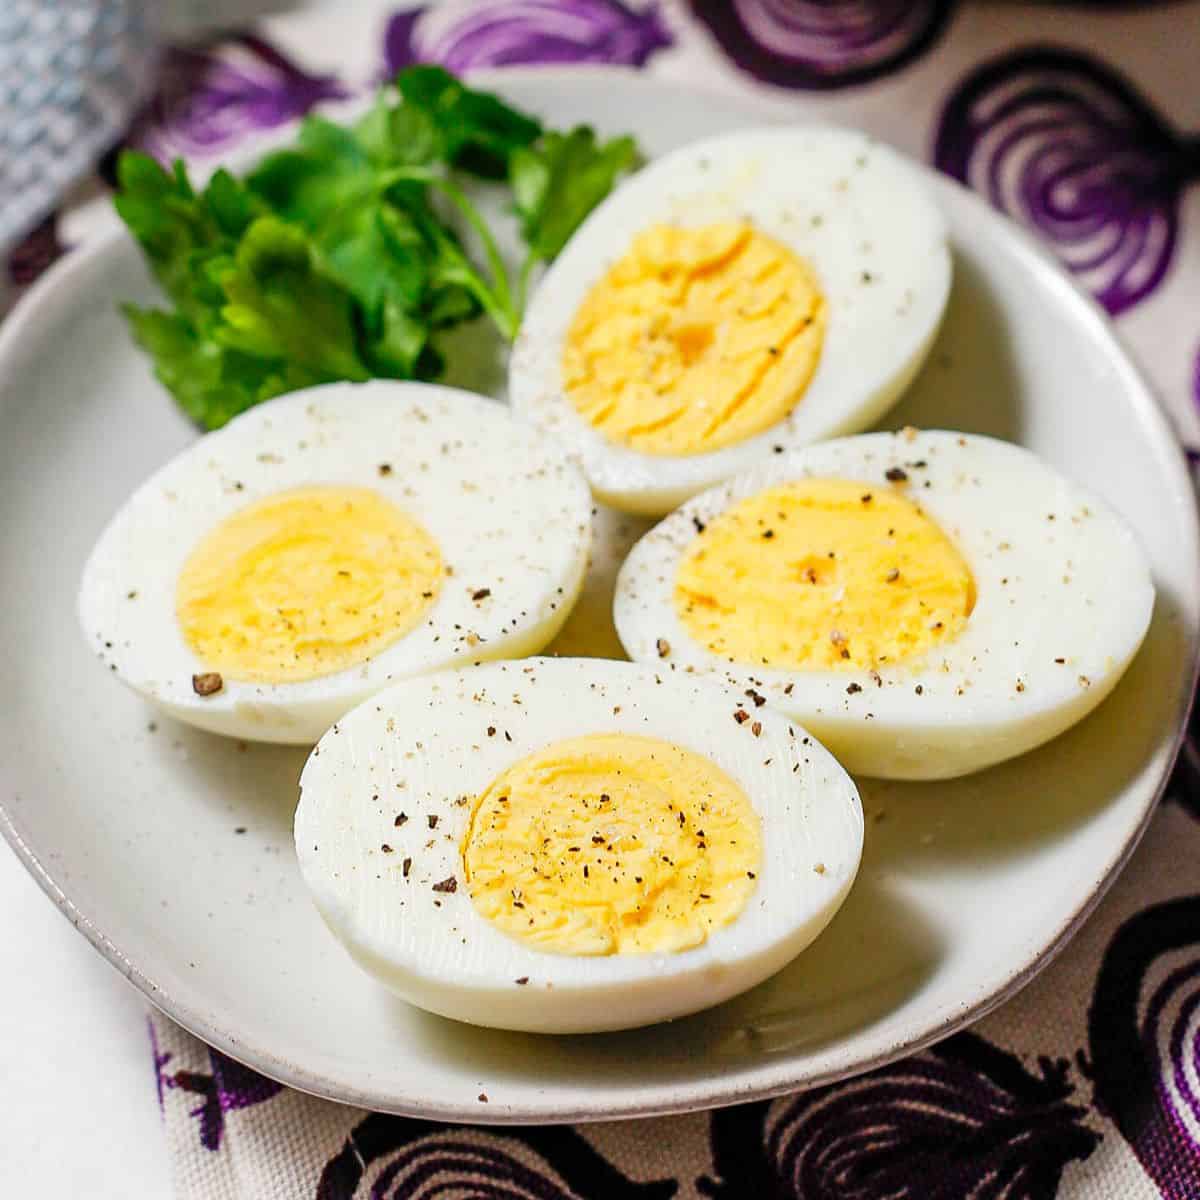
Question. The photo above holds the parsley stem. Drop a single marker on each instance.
(502, 315)
(500, 307)
(531, 261)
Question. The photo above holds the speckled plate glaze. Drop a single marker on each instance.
(170, 849)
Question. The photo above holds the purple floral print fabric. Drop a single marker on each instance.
(822, 44)
(208, 97)
(1071, 147)
(501, 33)
(225, 1086)
(956, 1118)
(1144, 1035)
(390, 1158)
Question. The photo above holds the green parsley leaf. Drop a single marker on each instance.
(342, 256)
(210, 382)
(281, 307)
(477, 131)
(558, 181)
(176, 229)
(396, 135)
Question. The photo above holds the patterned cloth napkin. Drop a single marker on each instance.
(1080, 122)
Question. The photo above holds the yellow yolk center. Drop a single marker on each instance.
(823, 574)
(305, 583)
(695, 339)
(612, 844)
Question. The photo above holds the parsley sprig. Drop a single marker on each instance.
(342, 256)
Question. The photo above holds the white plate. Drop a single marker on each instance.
(967, 887)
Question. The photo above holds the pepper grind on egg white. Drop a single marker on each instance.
(744, 295)
(573, 845)
(328, 542)
(926, 603)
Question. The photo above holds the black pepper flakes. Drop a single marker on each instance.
(401, 818)
(449, 884)
(896, 475)
(756, 729)
(406, 866)
(385, 848)
(385, 469)
(741, 716)
(768, 534)
(663, 647)
(699, 524)
(480, 594)
(432, 819)
(852, 688)
(207, 684)
(522, 981)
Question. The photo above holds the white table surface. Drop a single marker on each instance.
(78, 1103)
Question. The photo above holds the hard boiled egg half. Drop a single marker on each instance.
(329, 542)
(573, 845)
(752, 292)
(927, 603)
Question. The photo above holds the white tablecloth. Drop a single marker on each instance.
(77, 1099)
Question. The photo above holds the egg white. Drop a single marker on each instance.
(857, 211)
(508, 511)
(1058, 576)
(421, 746)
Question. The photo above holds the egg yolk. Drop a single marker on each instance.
(820, 575)
(304, 583)
(695, 339)
(612, 844)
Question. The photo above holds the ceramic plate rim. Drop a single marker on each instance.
(654, 1099)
